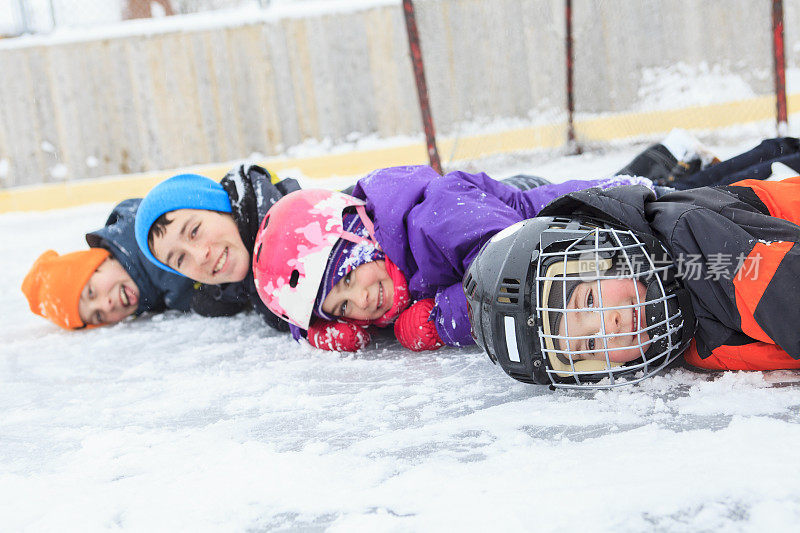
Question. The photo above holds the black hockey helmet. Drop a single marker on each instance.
(534, 281)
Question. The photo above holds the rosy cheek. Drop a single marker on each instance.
(611, 294)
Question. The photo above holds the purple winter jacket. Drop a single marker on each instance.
(432, 227)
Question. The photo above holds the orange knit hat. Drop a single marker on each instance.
(54, 284)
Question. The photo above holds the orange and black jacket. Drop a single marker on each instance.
(737, 248)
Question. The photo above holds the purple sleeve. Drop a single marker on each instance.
(450, 316)
(460, 212)
(528, 203)
(456, 214)
(450, 310)
(532, 201)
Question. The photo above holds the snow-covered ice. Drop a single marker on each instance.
(173, 422)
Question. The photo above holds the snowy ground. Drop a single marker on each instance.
(173, 422)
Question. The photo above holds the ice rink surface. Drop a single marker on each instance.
(171, 422)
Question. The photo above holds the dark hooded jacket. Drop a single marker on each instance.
(158, 289)
(737, 249)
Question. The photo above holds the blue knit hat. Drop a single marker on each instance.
(184, 191)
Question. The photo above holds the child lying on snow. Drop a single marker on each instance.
(394, 252)
(105, 284)
(193, 226)
(620, 283)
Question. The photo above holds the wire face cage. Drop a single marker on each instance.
(606, 307)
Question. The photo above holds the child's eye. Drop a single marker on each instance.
(347, 278)
(343, 307)
(194, 231)
(90, 292)
(180, 260)
(590, 344)
(590, 299)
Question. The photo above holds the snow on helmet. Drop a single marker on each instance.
(520, 284)
(292, 249)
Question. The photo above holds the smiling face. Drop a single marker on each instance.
(366, 293)
(202, 245)
(109, 296)
(589, 320)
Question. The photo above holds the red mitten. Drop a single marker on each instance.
(414, 330)
(337, 336)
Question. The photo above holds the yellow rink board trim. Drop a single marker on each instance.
(357, 163)
(115, 189)
(696, 117)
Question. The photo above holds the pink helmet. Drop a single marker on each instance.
(293, 246)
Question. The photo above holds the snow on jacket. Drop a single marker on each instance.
(158, 289)
(738, 249)
(432, 227)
